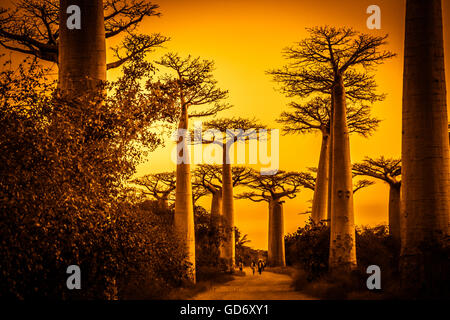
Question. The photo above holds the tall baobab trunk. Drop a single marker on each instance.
(82, 60)
(394, 212)
(342, 239)
(216, 208)
(82, 52)
(425, 141)
(229, 250)
(163, 203)
(276, 250)
(216, 203)
(184, 210)
(330, 160)
(320, 199)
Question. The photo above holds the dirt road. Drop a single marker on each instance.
(267, 286)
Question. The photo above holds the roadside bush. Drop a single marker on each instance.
(208, 237)
(307, 250)
(62, 194)
(152, 253)
(246, 254)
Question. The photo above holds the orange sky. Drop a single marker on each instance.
(245, 38)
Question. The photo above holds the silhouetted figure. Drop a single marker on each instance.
(260, 266)
(241, 265)
(253, 266)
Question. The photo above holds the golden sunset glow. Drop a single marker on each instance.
(245, 39)
(225, 150)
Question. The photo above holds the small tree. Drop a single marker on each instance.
(209, 177)
(389, 171)
(160, 186)
(272, 189)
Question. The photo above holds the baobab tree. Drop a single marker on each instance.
(160, 186)
(190, 86)
(314, 116)
(337, 62)
(309, 182)
(32, 27)
(198, 192)
(272, 189)
(224, 133)
(209, 177)
(425, 141)
(389, 171)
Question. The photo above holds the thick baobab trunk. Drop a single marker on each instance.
(425, 141)
(342, 239)
(320, 199)
(184, 210)
(394, 212)
(330, 160)
(216, 203)
(276, 250)
(82, 60)
(82, 52)
(216, 208)
(228, 249)
(163, 203)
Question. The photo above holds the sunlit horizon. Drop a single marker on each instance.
(245, 39)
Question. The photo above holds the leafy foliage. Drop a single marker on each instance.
(308, 248)
(208, 237)
(63, 199)
(246, 254)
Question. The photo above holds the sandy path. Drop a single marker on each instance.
(267, 286)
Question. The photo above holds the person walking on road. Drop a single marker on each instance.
(260, 266)
(253, 266)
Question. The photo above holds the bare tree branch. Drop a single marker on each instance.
(385, 169)
(32, 27)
